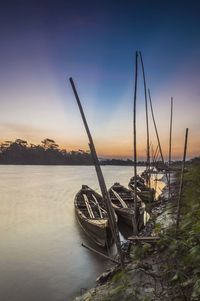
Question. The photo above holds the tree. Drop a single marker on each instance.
(21, 142)
(49, 144)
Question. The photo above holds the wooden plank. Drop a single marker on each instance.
(98, 206)
(141, 238)
(119, 198)
(87, 204)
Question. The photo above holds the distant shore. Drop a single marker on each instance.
(103, 163)
(20, 152)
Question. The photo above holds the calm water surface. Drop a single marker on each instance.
(41, 257)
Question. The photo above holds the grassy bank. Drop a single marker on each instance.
(183, 250)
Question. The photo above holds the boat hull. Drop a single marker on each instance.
(146, 194)
(98, 232)
(128, 217)
(125, 209)
(97, 228)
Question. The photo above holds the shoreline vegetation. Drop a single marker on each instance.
(167, 269)
(20, 152)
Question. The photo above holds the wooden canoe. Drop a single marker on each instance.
(146, 193)
(122, 200)
(92, 216)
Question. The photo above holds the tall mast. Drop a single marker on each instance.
(147, 122)
(135, 144)
(181, 182)
(158, 139)
(170, 144)
(101, 180)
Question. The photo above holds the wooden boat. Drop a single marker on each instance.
(152, 171)
(140, 181)
(92, 216)
(122, 200)
(146, 193)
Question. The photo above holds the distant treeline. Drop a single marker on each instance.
(48, 153)
(127, 162)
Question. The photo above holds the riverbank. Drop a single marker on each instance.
(115, 284)
(165, 270)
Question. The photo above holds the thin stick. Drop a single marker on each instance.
(99, 253)
(158, 139)
(181, 182)
(155, 154)
(147, 122)
(170, 146)
(135, 230)
(152, 152)
(105, 195)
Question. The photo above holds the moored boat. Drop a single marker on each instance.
(146, 193)
(92, 216)
(151, 171)
(122, 200)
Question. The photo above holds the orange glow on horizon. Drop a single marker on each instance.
(114, 149)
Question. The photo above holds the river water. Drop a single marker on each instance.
(41, 257)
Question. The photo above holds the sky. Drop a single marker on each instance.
(45, 42)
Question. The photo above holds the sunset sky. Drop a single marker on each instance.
(43, 43)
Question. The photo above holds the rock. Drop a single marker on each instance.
(149, 290)
(88, 296)
(103, 278)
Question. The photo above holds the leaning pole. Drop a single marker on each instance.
(100, 177)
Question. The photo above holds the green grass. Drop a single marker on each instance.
(183, 249)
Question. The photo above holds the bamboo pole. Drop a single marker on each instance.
(100, 177)
(155, 155)
(170, 146)
(147, 122)
(135, 230)
(158, 139)
(150, 153)
(181, 182)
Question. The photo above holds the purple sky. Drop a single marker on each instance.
(43, 43)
